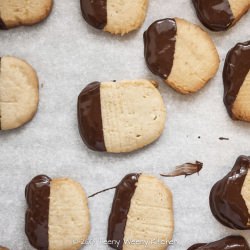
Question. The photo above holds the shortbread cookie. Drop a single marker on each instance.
(3, 248)
(120, 116)
(142, 211)
(236, 77)
(18, 92)
(181, 53)
(116, 17)
(230, 197)
(57, 217)
(15, 13)
(230, 242)
(219, 15)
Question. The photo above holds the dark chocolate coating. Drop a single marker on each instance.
(159, 46)
(2, 25)
(90, 117)
(216, 15)
(95, 12)
(228, 243)
(121, 204)
(236, 68)
(37, 194)
(226, 202)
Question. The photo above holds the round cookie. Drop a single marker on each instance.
(220, 15)
(57, 217)
(230, 242)
(116, 17)
(181, 53)
(236, 78)
(142, 211)
(18, 92)
(119, 117)
(230, 197)
(15, 13)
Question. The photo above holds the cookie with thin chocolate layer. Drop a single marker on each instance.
(230, 197)
(220, 15)
(15, 13)
(122, 116)
(19, 95)
(142, 211)
(116, 17)
(181, 53)
(57, 216)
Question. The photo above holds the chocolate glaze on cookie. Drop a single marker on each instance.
(121, 204)
(37, 194)
(95, 12)
(159, 46)
(216, 15)
(230, 242)
(2, 25)
(236, 68)
(226, 202)
(90, 117)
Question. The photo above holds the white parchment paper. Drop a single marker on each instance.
(68, 54)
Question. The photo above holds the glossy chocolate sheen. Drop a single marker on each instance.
(228, 243)
(216, 15)
(95, 12)
(159, 47)
(90, 117)
(236, 68)
(226, 202)
(37, 194)
(121, 204)
(2, 25)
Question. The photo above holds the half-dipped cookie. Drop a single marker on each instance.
(230, 197)
(181, 53)
(236, 78)
(120, 116)
(57, 217)
(116, 17)
(142, 212)
(230, 242)
(15, 13)
(18, 92)
(220, 15)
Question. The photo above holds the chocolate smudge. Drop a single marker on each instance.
(102, 191)
(223, 139)
(2, 25)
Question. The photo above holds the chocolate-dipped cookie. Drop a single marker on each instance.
(57, 216)
(15, 13)
(230, 242)
(230, 197)
(181, 53)
(120, 116)
(18, 92)
(116, 17)
(220, 15)
(236, 78)
(142, 211)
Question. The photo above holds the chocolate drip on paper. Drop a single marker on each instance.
(37, 195)
(236, 68)
(185, 169)
(226, 202)
(95, 12)
(230, 242)
(2, 25)
(159, 46)
(216, 15)
(120, 208)
(90, 117)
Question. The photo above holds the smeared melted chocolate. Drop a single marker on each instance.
(95, 12)
(37, 194)
(2, 25)
(216, 15)
(236, 68)
(121, 204)
(159, 46)
(226, 202)
(90, 117)
(230, 242)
